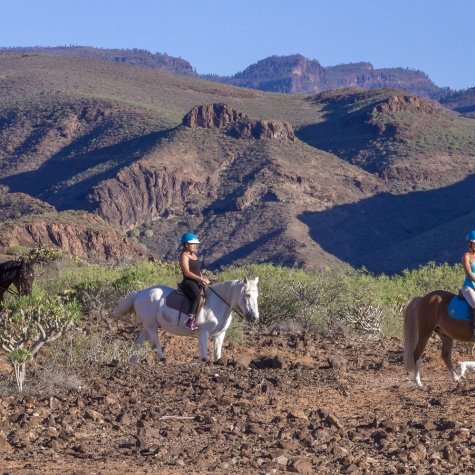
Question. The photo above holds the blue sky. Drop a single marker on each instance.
(216, 36)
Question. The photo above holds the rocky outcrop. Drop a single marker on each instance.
(260, 129)
(80, 234)
(212, 116)
(297, 74)
(407, 103)
(15, 205)
(140, 193)
(223, 116)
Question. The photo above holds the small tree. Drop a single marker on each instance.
(18, 358)
(27, 323)
(40, 255)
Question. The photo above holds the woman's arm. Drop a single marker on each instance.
(467, 267)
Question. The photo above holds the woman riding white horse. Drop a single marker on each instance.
(193, 281)
(212, 320)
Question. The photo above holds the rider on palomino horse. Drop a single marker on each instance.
(193, 281)
(468, 262)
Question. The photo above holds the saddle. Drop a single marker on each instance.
(178, 300)
(459, 308)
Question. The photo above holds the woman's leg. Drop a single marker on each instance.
(192, 291)
(469, 295)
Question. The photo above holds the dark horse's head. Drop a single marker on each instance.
(18, 273)
(24, 281)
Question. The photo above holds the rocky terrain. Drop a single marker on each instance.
(276, 403)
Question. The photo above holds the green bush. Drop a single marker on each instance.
(326, 301)
(322, 301)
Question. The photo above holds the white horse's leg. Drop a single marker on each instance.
(218, 343)
(417, 374)
(139, 341)
(203, 340)
(153, 336)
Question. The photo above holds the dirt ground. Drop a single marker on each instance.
(278, 403)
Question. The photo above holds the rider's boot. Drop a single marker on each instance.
(191, 323)
(472, 313)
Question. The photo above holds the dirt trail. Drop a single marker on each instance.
(280, 403)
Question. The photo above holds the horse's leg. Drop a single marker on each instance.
(218, 343)
(447, 344)
(153, 336)
(420, 347)
(203, 341)
(139, 341)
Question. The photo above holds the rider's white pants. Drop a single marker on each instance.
(469, 295)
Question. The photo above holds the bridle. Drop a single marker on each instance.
(13, 292)
(236, 309)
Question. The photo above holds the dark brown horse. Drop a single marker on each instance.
(18, 273)
(422, 317)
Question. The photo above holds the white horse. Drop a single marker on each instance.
(213, 319)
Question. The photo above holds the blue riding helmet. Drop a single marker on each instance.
(191, 238)
(470, 236)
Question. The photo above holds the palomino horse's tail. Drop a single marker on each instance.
(411, 333)
(125, 306)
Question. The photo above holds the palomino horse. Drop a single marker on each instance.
(422, 317)
(18, 273)
(213, 319)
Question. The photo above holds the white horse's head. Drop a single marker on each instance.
(248, 299)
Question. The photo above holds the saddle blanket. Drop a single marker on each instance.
(178, 300)
(458, 309)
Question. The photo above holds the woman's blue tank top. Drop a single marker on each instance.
(469, 282)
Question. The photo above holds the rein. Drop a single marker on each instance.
(228, 304)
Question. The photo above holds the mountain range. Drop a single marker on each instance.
(91, 149)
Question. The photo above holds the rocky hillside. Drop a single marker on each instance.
(285, 74)
(235, 176)
(408, 141)
(136, 57)
(80, 234)
(461, 101)
(297, 74)
(261, 177)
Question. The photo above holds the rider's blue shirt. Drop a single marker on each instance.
(469, 282)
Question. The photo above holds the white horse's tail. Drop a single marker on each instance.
(411, 333)
(126, 305)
